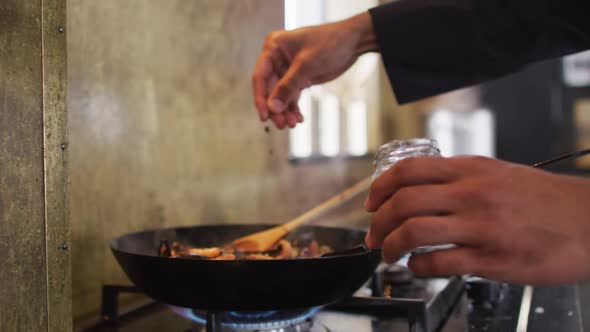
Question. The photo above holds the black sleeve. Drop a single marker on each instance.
(433, 46)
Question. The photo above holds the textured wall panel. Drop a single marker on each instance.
(23, 304)
(28, 268)
(59, 284)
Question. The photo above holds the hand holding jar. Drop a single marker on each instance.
(507, 221)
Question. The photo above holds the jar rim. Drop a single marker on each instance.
(410, 142)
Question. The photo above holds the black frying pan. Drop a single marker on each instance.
(244, 284)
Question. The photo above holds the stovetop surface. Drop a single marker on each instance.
(553, 309)
(391, 300)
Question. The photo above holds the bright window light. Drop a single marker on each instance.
(440, 127)
(329, 125)
(326, 132)
(463, 133)
(290, 14)
(300, 137)
(301, 13)
(483, 128)
(356, 123)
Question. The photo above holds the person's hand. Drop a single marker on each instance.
(509, 222)
(291, 61)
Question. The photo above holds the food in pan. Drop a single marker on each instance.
(283, 250)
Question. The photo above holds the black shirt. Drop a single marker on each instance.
(433, 46)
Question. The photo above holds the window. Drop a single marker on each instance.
(463, 133)
(336, 113)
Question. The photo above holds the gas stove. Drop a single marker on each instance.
(393, 300)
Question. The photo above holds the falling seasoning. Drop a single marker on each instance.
(267, 130)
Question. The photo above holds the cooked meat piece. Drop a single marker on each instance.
(177, 249)
(229, 250)
(325, 250)
(286, 249)
(165, 249)
(314, 249)
(283, 250)
(205, 252)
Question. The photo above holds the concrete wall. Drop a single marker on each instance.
(164, 132)
(34, 256)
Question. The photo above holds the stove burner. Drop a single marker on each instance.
(275, 320)
(252, 315)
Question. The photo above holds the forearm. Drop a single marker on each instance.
(361, 26)
(430, 47)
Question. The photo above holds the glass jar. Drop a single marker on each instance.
(394, 151)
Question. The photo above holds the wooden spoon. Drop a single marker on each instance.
(267, 239)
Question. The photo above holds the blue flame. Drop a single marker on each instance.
(252, 315)
(260, 320)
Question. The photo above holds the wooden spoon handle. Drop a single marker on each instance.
(266, 239)
(328, 204)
